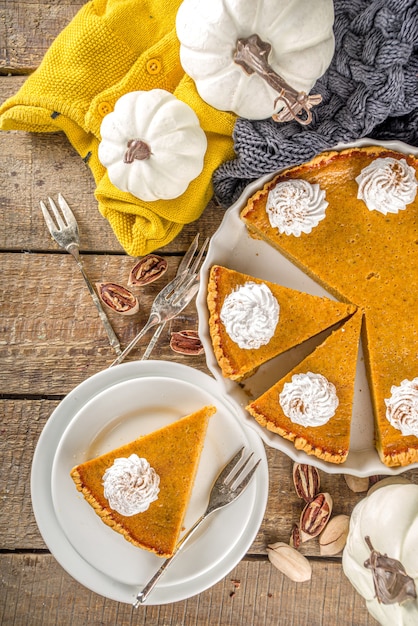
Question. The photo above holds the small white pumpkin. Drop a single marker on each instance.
(152, 145)
(295, 35)
(381, 554)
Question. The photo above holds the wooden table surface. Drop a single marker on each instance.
(52, 340)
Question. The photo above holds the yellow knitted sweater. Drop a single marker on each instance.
(112, 47)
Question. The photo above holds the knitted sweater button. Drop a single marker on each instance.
(153, 66)
(104, 108)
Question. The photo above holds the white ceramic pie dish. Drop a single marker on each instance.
(233, 247)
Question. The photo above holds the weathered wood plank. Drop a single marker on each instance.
(50, 330)
(36, 586)
(28, 28)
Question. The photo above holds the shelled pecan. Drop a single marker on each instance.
(118, 298)
(186, 342)
(148, 269)
(315, 516)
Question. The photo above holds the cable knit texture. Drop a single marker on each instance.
(369, 90)
(109, 48)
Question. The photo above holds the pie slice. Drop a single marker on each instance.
(174, 453)
(308, 397)
(300, 316)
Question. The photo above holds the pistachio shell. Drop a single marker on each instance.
(334, 536)
(289, 561)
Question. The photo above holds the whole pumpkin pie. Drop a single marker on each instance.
(253, 320)
(359, 241)
(312, 405)
(142, 489)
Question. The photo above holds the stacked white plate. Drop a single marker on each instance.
(115, 407)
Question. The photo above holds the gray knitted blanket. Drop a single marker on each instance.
(369, 90)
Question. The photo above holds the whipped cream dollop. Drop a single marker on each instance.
(402, 407)
(130, 485)
(296, 207)
(387, 185)
(250, 315)
(309, 399)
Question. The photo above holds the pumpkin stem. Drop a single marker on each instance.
(252, 53)
(391, 582)
(136, 149)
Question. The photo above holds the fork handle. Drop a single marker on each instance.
(153, 341)
(143, 595)
(152, 321)
(114, 341)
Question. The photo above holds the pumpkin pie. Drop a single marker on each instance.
(253, 320)
(312, 405)
(173, 454)
(362, 248)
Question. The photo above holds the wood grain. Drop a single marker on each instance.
(51, 340)
(264, 597)
(28, 28)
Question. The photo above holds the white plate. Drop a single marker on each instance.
(233, 247)
(112, 408)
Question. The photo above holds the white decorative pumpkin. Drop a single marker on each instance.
(152, 145)
(381, 554)
(297, 42)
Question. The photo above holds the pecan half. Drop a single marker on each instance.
(186, 342)
(306, 481)
(147, 270)
(315, 516)
(118, 298)
(295, 537)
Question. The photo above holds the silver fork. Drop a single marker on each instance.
(225, 490)
(170, 301)
(183, 267)
(64, 229)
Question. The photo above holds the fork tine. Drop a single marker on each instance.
(48, 219)
(58, 217)
(244, 482)
(187, 258)
(230, 466)
(68, 214)
(198, 259)
(238, 471)
(189, 279)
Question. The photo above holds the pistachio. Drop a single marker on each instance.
(289, 561)
(315, 516)
(118, 298)
(147, 270)
(356, 483)
(186, 342)
(306, 481)
(334, 536)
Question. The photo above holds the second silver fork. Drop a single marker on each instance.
(170, 301)
(183, 267)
